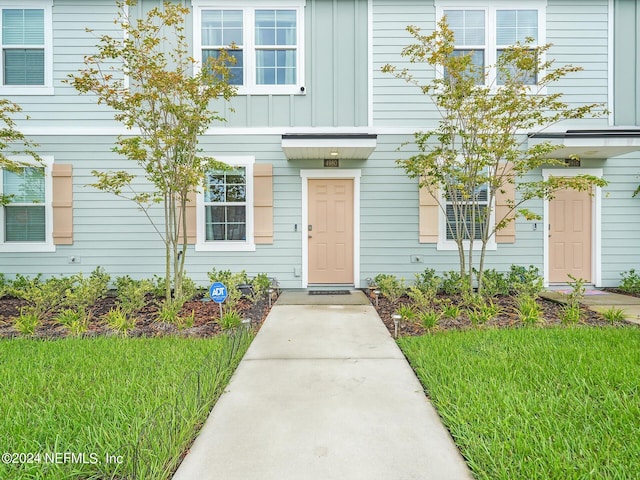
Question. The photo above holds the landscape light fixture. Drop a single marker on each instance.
(396, 321)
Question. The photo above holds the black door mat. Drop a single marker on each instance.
(329, 292)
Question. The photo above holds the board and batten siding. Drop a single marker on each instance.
(335, 88)
(569, 27)
(335, 54)
(626, 67)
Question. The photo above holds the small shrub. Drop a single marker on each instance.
(119, 320)
(454, 284)
(528, 310)
(428, 282)
(614, 314)
(390, 287)
(75, 320)
(260, 285)
(494, 284)
(158, 289)
(232, 281)
(26, 323)
(131, 294)
(83, 292)
(230, 320)
(577, 290)
(429, 319)
(189, 287)
(5, 286)
(422, 300)
(630, 282)
(525, 281)
(42, 297)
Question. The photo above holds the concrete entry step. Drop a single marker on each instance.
(322, 297)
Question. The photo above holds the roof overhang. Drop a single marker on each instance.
(322, 146)
(599, 144)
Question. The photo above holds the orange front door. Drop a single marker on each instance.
(330, 231)
(570, 236)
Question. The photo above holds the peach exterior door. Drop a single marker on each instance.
(330, 231)
(570, 236)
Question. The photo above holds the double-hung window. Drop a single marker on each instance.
(485, 31)
(26, 43)
(25, 209)
(466, 219)
(225, 214)
(265, 40)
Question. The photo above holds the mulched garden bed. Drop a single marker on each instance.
(507, 318)
(206, 314)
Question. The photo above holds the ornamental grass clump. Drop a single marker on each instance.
(528, 310)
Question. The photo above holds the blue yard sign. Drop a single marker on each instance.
(218, 292)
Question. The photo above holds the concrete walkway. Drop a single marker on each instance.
(323, 393)
(601, 301)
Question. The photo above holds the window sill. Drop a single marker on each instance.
(225, 247)
(448, 245)
(271, 90)
(27, 247)
(25, 90)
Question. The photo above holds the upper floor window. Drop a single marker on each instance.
(26, 43)
(486, 31)
(26, 208)
(266, 43)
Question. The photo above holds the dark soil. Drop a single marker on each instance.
(506, 318)
(206, 314)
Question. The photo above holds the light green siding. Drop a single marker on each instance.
(570, 26)
(626, 66)
(111, 233)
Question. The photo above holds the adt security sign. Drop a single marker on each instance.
(218, 292)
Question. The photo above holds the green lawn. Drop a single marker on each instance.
(107, 407)
(557, 403)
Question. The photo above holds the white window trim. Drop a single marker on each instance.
(34, 247)
(202, 245)
(248, 7)
(47, 88)
(490, 7)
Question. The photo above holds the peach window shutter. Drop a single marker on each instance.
(62, 203)
(429, 217)
(192, 219)
(263, 203)
(503, 198)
